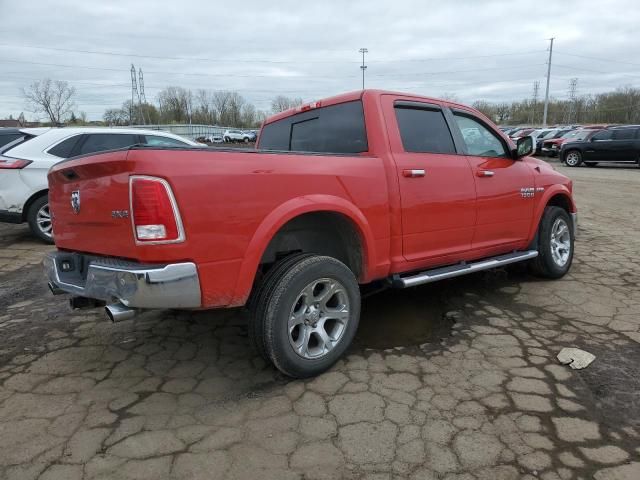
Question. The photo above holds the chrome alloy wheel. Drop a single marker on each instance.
(318, 318)
(43, 219)
(572, 159)
(560, 242)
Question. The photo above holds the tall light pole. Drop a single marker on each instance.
(546, 95)
(363, 67)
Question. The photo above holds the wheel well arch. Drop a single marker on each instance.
(30, 201)
(560, 200)
(322, 232)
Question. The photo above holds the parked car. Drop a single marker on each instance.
(232, 136)
(571, 136)
(548, 135)
(362, 187)
(615, 144)
(24, 166)
(551, 147)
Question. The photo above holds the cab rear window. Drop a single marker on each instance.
(335, 129)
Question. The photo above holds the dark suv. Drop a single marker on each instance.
(615, 144)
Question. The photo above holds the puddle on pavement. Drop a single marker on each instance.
(402, 318)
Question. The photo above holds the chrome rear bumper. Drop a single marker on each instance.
(175, 285)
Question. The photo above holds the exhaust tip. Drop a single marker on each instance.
(117, 312)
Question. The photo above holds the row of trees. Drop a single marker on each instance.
(208, 107)
(620, 106)
(55, 99)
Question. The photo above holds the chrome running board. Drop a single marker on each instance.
(460, 269)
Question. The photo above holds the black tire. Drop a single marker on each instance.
(256, 304)
(294, 289)
(572, 158)
(246, 140)
(590, 164)
(37, 223)
(546, 264)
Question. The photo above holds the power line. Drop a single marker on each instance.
(598, 59)
(219, 60)
(200, 74)
(572, 67)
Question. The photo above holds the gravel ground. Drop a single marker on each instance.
(456, 380)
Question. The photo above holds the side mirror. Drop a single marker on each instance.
(524, 147)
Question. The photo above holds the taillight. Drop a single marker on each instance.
(13, 163)
(154, 211)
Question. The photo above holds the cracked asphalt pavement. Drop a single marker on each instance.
(456, 380)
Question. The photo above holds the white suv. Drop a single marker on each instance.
(237, 136)
(24, 165)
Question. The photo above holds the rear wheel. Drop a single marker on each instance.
(39, 218)
(310, 315)
(555, 244)
(256, 304)
(572, 158)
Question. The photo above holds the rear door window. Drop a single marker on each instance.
(335, 129)
(603, 135)
(424, 130)
(98, 142)
(65, 148)
(624, 134)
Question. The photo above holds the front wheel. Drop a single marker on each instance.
(573, 158)
(310, 315)
(555, 244)
(39, 218)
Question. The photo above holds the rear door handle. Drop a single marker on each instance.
(414, 173)
(485, 173)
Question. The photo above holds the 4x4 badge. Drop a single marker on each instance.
(75, 201)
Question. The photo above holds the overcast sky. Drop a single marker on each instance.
(491, 50)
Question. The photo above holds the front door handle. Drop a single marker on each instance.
(485, 173)
(414, 173)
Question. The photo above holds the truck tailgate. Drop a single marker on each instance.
(89, 200)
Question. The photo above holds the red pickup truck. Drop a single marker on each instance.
(362, 187)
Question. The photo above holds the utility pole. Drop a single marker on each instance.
(536, 87)
(363, 67)
(573, 86)
(546, 95)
